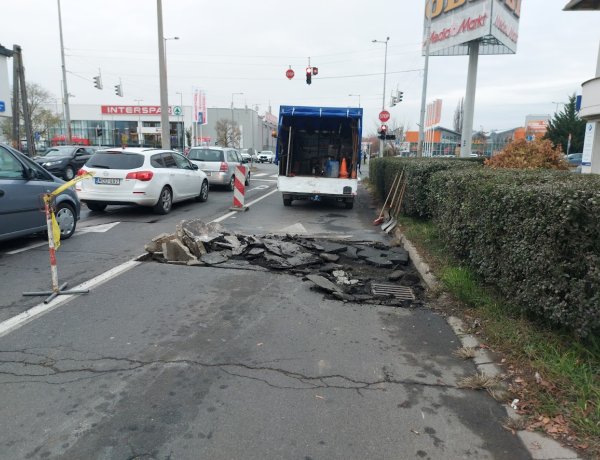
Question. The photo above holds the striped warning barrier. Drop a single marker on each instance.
(239, 189)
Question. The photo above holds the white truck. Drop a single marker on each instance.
(318, 150)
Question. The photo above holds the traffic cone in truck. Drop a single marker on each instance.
(343, 169)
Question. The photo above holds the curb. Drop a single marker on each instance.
(540, 447)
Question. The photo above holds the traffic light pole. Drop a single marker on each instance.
(64, 72)
(424, 91)
(164, 98)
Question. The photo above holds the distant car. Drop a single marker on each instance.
(64, 160)
(246, 157)
(219, 164)
(266, 156)
(574, 159)
(22, 184)
(147, 177)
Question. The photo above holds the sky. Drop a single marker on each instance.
(235, 46)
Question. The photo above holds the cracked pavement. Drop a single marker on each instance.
(223, 372)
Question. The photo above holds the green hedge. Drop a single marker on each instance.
(417, 171)
(533, 234)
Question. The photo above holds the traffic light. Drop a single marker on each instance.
(273, 133)
(98, 82)
(315, 71)
(308, 75)
(119, 90)
(98, 132)
(383, 132)
(400, 95)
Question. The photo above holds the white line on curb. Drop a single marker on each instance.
(26, 248)
(21, 319)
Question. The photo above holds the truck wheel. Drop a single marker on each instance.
(349, 204)
(287, 201)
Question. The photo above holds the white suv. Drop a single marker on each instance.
(266, 156)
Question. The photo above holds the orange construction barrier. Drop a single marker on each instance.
(343, 170)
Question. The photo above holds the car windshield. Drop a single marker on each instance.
(117, 160)
(58, 151)
(206, 155)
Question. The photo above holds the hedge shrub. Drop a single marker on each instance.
(533, 234)
(417, 172)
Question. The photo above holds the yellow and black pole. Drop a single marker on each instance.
(54, 242)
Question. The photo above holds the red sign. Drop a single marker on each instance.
(289, 73)
(133, 110)
(384, 116)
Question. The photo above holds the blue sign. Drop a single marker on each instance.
(578, 103)
(2, 106)
(37, 136)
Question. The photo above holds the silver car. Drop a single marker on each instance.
(218, 163)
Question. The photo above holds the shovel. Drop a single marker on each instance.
(389, 226)
(379, 220)
(392, 203)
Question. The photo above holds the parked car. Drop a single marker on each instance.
(64, 160)
(22, 184)
(147, 177)
(246, 157)
(219, 164)
(266, 156)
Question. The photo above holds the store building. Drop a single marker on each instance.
(139, 126)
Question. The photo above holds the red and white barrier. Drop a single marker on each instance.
(239, 189)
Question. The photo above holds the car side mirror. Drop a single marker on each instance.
(194, 166)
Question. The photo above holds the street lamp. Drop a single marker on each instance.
(232, 121)
(356, 95)
(557, 104)
(381, 142)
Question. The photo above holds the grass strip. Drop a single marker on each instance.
(556, 376)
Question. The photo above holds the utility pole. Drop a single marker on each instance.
(20, 90)
(381, 141)
(164, 97)
(424, 90)
(64, 72)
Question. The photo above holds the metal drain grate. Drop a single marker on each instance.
(399, 292)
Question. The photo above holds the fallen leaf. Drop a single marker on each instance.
(319, 397)
(414, 431)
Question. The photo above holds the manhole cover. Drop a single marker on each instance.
(399, 292)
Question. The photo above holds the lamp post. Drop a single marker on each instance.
(381, 141)
(232, 121)
(356, 95)
(181, 121)
(67, 110)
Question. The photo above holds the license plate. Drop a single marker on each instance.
(107, 181)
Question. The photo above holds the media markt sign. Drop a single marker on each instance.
(177, 110)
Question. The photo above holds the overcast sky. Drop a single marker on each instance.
(229, 46)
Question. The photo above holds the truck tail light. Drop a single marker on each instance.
(144, 176)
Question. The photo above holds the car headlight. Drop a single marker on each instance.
(52, 163)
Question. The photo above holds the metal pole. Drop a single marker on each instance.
(424, 90)
(164, 97)
(16, 118)
(64, 72)
(381, 141)
(139, 123)
(467, 132)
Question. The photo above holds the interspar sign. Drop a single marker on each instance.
(133, 110)
(454, 23)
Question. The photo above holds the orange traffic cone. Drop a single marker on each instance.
(353, 175)
(343, 169)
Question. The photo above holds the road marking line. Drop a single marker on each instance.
(259, 175)
(264, 180)
(21, 319)
(232, 213)
(27, 248)
(274, 175)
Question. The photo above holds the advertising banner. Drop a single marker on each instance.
(5, 105)
(588, 144)
(199, 104)
(455, 23)
(132, 110)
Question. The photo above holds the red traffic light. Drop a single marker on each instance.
(315, 71)
(384, 128)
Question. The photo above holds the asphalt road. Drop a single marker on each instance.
(171, 362)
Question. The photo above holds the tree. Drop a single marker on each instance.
(42, 119)
(228, 133)
(520, 154)
(459, 116)
(565, 123)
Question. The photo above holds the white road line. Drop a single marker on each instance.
(262, 197)
(21, 319)
(274, 175)
(26, 248)
(259, 175)
(264, 180)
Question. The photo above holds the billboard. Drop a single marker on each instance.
(5, 104)
(454, 23)
(199, 104)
